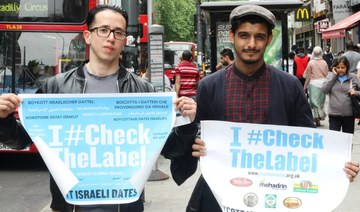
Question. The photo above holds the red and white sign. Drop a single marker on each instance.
(322, 25)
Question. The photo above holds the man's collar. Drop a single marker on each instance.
(255, 76)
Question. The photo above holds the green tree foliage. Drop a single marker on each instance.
(177, 17)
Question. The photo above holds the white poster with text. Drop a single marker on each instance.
(254, 167)
(100, 148)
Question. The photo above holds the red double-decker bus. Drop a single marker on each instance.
(38, 39)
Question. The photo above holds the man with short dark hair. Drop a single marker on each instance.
(186, 76)
(226, 58)
(352, 56)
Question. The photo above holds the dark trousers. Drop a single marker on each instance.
(302, 80)
(202, 199)
(58, 202)
(345, 124)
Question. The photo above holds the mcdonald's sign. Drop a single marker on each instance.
(303, 14)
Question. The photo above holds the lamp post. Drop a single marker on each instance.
(155, 34)
(199, 34)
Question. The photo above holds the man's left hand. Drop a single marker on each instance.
(351, 169)
(186, 106)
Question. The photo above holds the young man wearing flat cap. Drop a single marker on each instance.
(247, 91)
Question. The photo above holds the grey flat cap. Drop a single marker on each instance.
(245, 10)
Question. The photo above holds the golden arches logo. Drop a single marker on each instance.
(302, 14)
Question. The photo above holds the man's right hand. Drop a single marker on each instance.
(8, 104)
(199, 148)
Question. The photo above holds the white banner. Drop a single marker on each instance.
(100, 148)
(253, 167)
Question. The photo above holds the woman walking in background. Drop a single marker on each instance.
(340, 84)
(315, 75)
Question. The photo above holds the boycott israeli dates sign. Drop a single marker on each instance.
(100, 148)
(255, 167)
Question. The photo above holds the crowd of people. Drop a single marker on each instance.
(337, 76)
(245, 89)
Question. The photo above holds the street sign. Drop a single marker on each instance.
(156, 57)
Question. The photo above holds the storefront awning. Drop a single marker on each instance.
(338, 30)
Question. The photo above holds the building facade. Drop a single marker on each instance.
(325, 22)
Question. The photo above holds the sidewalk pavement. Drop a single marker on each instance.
(351, 202)
(165, 195)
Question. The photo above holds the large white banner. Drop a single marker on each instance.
(253, 167)
(100, 148)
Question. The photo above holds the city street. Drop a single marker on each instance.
(24, 185)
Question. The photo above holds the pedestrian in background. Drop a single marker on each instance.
(167, 83)
(340, 84)
(300, 62)
(309, 51)
(352, 56)
(248, 91)
(226, 58)
(290, 62)
(295, 49)
(328, 56)
(315, 75)
(186, 76)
